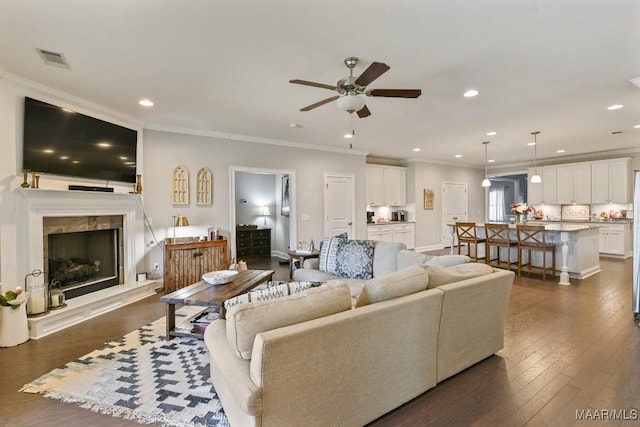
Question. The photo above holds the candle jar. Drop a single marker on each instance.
(56, 296)
(38, 302)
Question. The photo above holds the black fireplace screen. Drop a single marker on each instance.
(83, 261)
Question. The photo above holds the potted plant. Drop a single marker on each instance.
(14, 329)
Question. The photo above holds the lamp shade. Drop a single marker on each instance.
(351, 103)
(536, 179)
(181, 221)
(486, 182)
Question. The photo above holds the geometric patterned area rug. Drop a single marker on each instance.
(141, 377)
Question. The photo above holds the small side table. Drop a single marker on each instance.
(300, 257)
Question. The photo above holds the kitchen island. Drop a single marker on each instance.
(577, 256)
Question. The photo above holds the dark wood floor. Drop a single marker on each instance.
(567, 348)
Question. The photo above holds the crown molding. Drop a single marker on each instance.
(73, 102)
(254, 139)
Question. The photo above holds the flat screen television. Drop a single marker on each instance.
(62, 142)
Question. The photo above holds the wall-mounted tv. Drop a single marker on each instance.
(62, 142)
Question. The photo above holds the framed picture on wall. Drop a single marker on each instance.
(428, 198)
(284, 205)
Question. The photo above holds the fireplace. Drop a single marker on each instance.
(42, 212)
(83, 254)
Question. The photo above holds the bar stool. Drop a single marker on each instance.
(498, 236)
(467, 235)
(533, 238)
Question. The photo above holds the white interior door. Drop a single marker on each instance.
(454, 208)
(339, 205)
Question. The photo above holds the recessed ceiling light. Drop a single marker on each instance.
(104, 144)
(457, 156)
(64, 157)
(491, 161)
(348, 135)
(295, 125)
(637, 126)
(531, 143)
(146, 103)
(416, 149)
(492, 133)
(48, 151)
(615, 107)
(471, 93)
(560, 151)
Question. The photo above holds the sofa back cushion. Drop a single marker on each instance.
(385, 257)
(245, 321)
(407, 258)
(439, 275)
(393, 285)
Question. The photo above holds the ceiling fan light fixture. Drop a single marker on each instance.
(351, 103)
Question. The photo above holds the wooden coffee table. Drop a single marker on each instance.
(206, 295)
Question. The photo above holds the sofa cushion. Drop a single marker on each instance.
(439, 275)
(385, 256)
(328, 253)
(354, 259)
(245, 321)
(271, 292)
(448, 260)
(393, 285)
(408, 257)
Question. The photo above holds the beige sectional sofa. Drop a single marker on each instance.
(310, 359)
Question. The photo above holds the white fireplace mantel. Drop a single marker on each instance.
(26, 252)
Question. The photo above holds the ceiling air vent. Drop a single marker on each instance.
(53, 58)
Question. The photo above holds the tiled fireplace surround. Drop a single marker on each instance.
(79, 210)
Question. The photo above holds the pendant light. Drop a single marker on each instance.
(485, 181)
(535, 179)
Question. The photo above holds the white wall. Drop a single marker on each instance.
(163, 151)
(429, 222)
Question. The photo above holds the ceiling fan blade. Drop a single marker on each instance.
(396, 93)
(319, 103)
(375, 70)
(314, 84)
(364, 112)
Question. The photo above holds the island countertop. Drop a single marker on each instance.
(556, 226)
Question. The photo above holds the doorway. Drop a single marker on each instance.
(454, 208)
(504, 191)
(339, 207)
(263, 199)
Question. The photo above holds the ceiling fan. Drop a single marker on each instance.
(352, 90)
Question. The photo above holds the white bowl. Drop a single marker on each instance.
(219, 277)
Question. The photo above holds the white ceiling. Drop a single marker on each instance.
(224, 66)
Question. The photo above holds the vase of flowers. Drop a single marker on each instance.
(520, 209)
(14, 329)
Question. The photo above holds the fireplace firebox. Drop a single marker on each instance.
(84, 254)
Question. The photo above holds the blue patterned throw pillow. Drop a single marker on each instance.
(328, 253)
(354, 259)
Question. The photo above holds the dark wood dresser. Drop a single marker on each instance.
(251, 243)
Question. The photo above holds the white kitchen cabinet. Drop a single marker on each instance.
(574, 183)
(610, 181)
(405, 233)
(544, 193)
(386, 185)
(375, 186)
(615, 239)
(383, 233)
(402, 233)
